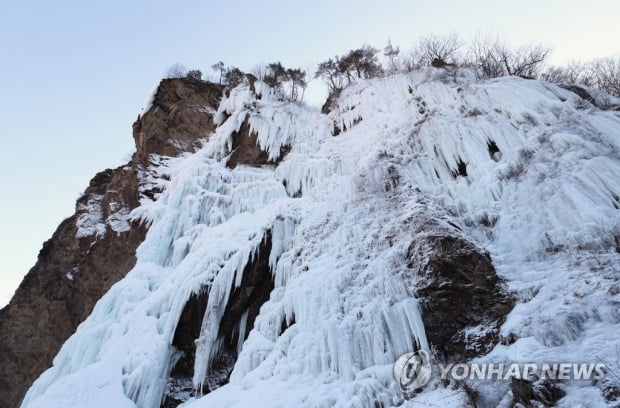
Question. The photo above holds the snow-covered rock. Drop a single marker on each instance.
(522, 169)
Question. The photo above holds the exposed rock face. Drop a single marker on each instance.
(181, 115)
(462, 298)
(540, 393)
(238, 320)
(331, 101)
(74, 269)
(245, 149)
(582, 93)
(95, 247)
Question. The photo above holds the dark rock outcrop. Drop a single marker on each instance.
(582, 93)
(246, 150)
(180, 116)
(610, 389)
(70, 275)
(531, 394)
(244, 303)
(331, 101)
(95, 247)
(180, 384)
(462, 299)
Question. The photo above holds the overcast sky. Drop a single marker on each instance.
(74, 74)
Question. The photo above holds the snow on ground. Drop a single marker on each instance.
(527, 170)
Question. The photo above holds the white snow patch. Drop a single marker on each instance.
(90, 221)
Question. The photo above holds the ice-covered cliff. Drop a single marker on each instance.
(476, 219)
(95, 247)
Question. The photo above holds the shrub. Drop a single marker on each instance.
(233, 77)
(606, 73)
(176, 71)
(359, 63)
(492, 59)
(194, 74)
(439, 51)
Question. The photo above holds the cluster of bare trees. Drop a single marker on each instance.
(180, 71)
(439, 51)
(487, 55)
(488, 58)
(603, 73)
(176, 71)
(491, 58)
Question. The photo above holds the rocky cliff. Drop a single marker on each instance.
(297, 254)
(95, 247)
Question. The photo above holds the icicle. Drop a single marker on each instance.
(242, 329)
(339, 237)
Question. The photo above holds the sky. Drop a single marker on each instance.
(75, 74)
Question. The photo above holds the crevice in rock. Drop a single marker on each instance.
(296, 194)
(331, 101)
(286, 323)
(494, 151)
(246, 149)
(243, 306)
(461, 169)
(237, 321)
(180, 387)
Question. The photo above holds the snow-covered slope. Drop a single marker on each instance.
(524, 169)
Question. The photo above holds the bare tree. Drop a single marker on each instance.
(525, 61)
(411, 60)
(491, 58)
(439, 51)
(606, 72)
(329, 72)
(575, 72)
(221, 68)
(176, 71)
(558, 75)
(603, 74)
(483, 55)
(233, 77)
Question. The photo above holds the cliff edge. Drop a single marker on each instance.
(95, 247)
